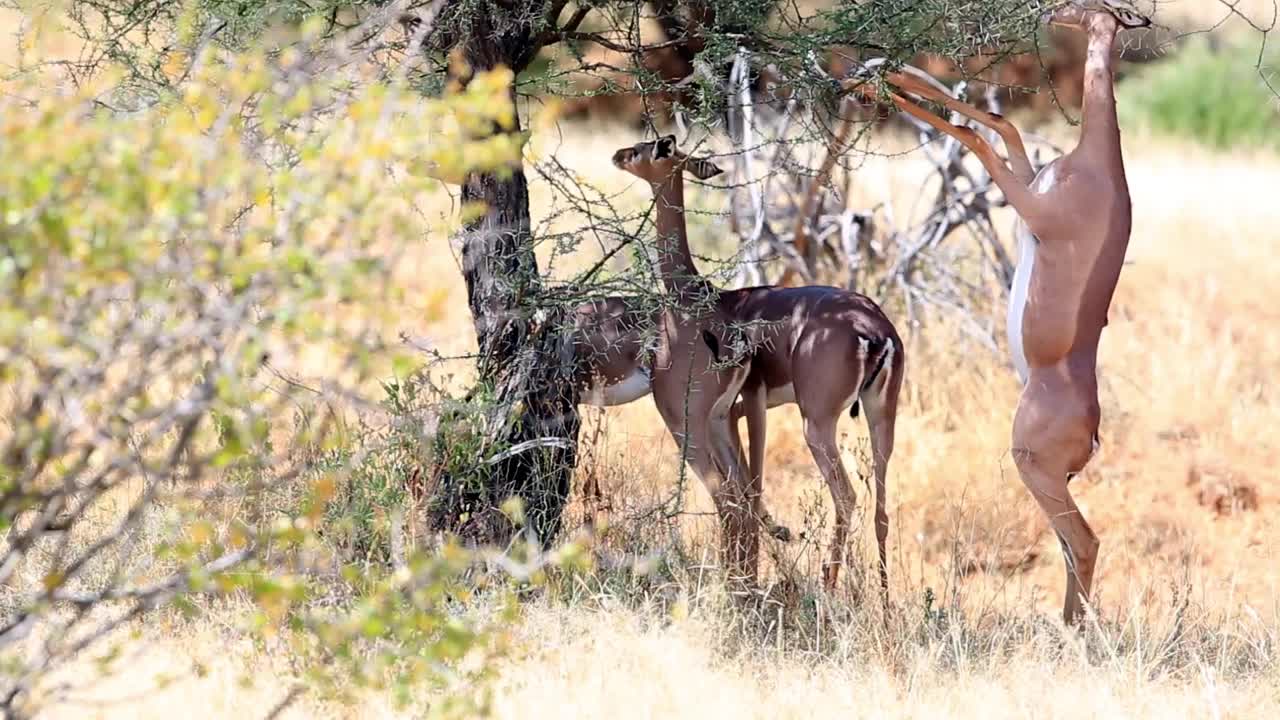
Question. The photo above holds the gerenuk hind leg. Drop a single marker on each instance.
(1054, 435)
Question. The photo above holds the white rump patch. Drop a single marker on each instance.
(886, 369)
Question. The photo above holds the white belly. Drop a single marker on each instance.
(629, 389)
(1018, 298)
(1020, 291)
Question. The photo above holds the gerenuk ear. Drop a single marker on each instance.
(702, 169)
(664, 147)
(1129, 18)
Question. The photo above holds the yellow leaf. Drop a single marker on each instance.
(175, 64)
(53, 581)
(322, 491)
(201, 532)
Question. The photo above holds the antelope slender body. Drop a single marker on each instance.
(1080, 215)
(822, 348)
(694, 394)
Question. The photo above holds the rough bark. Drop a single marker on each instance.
(527, 440)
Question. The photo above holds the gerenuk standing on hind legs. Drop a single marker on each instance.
(1075, 220)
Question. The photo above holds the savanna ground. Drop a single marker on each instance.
(1188, 621)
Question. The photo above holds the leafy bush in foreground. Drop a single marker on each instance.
(166, 276)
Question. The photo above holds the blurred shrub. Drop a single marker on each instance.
(191, 298)
(373, 495)
(1215, 97)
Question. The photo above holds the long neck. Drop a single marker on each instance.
(675, 262)
(1099, 128)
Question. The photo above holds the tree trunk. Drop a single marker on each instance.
(519, 428)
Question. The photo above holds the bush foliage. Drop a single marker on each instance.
(168, 278)
(1219, 98)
